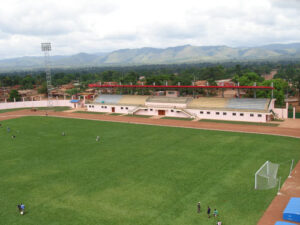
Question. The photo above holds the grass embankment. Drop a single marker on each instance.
(89, 112)
(56, 109)
(240, 122)
(176, 118)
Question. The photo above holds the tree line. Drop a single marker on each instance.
(185, 74)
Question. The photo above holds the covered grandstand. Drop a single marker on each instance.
(236, 109)
(214, 108)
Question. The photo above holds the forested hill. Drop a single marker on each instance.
(180, 54)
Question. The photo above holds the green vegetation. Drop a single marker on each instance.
(240, 122)
(136, 174)
(55, 109)
(176, 118)
(73, 91)
(14, 95)
(246, 73)
(290, 112)
(250, 78)
(88, 112)
(43, 89)
(141, 116)
(290, 115)
(11, 110)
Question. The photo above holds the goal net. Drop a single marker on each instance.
(266, 176)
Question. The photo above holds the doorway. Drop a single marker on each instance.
(161, 112)
(113, 109)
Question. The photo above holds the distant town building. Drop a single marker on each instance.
(200, 83)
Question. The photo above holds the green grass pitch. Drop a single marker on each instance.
(135, 175)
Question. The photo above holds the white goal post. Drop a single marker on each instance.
(266, 176)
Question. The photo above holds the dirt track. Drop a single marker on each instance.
(274, 211)
(282, 131)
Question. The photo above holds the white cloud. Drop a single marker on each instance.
(104, 25)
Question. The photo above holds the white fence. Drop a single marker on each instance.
(281, 113)
(33, 104)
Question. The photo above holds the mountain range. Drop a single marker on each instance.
(171, 55)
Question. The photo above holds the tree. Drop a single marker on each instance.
(27, 82)
(280, 87)
(238, 70)
(131, 77)
(249, 78)
(73, 91)
(43, 89)
(14, 94)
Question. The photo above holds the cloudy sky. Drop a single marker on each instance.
(74, 26)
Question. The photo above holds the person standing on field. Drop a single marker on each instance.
(198, 207)
(216, 213)
(22, 209)
(208, 212)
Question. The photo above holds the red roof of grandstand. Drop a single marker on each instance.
(176, 86)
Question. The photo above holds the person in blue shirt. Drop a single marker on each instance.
(21, 208)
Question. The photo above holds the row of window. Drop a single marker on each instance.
(104, 107)
(176, 111)
(234, 114)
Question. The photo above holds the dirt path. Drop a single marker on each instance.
(290, 188)
(271, 75)
(281, 131)
(290, 123)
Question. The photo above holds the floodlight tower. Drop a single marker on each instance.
(46, 48)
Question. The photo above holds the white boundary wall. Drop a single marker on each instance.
(33, 104)
(282, 113)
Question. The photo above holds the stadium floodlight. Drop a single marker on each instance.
(46, 48)
(266, 176)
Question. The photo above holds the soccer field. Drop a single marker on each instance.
(135, 175)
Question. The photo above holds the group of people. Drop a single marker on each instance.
(215, 212)
(8, 131)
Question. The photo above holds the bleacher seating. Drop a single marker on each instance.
(257, 104)
(163, 99)
(208, 102)
(133, 99)
(248, 103)
(108, 99)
